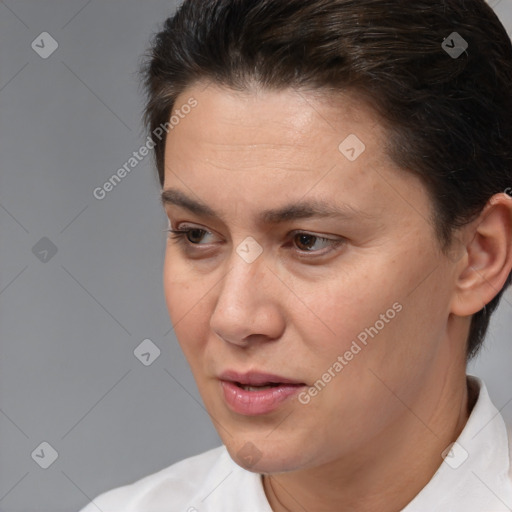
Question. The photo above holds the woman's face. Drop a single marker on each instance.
(347, 311)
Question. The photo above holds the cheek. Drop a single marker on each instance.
(187, 305)
(391, 343)
(176, 285)
(381, 316)
(340, 309)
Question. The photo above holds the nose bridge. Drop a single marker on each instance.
(247, 268)
(242, 295)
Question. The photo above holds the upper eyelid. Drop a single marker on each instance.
(295, 231)
(332, 243)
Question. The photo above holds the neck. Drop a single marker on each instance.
(391, 469)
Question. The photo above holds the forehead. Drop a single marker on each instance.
(257, 112)
(255, 148)
(288, 130)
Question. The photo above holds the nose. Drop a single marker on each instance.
(248, 306)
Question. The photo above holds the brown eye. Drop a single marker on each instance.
(195, 236)
(305, 241)
(192, 237)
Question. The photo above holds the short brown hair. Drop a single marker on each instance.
(448, 118)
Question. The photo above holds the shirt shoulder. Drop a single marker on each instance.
(175, 484)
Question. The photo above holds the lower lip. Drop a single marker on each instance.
(252, 403)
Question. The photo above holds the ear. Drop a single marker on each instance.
(487, 260)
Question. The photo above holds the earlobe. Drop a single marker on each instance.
(488, 260)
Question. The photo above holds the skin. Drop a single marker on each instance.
(373, 437)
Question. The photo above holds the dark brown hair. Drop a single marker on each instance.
(448, 118)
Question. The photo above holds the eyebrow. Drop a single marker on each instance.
(311, 208)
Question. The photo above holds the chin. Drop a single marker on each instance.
(264, 456)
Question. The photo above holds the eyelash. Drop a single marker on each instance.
(179, 236)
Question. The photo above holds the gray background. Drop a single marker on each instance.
(69, 325)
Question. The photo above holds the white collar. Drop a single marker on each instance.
(474, 477)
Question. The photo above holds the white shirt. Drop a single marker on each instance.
(475, 476)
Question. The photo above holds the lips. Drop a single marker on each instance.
(257, 379)
(255, 393)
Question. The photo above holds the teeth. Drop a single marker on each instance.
(258, 388)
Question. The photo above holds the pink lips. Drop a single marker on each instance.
(254, 402)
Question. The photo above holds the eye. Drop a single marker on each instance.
(190, 237)
(309, 240)
(180, 234)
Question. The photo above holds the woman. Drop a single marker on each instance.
(334, 174)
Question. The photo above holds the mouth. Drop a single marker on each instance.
(256, 379)
(255, 393)
(257, 388)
